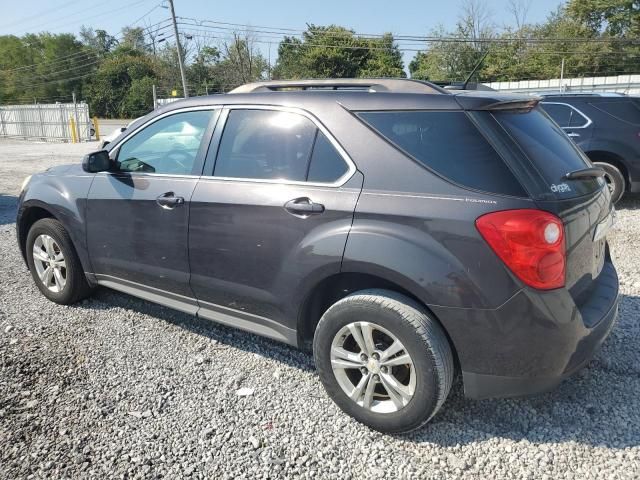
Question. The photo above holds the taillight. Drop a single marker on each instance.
(530, 243)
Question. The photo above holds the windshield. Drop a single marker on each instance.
(550, 150)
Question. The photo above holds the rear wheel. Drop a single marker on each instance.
(383, 360)
(615, 180)
(54, 263)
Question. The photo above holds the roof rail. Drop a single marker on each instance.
(395, 85)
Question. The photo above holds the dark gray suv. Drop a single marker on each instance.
(606, 126)
(401, 231)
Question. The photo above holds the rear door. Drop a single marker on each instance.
(269, 217)
(576, 124)
(583, 204)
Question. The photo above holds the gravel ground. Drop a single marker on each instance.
(118, 387)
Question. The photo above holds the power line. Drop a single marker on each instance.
(62, 80)
(38, 15)
(397, 46)
(110, 12)
(71, 56)
(399, 37)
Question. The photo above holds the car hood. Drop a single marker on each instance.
(61, 170)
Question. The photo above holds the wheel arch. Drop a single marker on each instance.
(336, 287)
(612, 159)
(29, 215)
(33, 210)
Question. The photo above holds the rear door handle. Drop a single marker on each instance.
(303, 206)
(573, 134)
(169, 200)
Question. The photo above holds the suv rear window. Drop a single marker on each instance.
(449, 144)
(549, 149)
(626, 110)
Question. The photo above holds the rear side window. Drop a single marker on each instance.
(327, 165)
(276, 145)
(449, 144)
(626, 110)
(565, 115)
(549, 149)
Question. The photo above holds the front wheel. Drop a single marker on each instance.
(383, 360)
(54, 263)
(615, 180)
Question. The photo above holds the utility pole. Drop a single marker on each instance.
(155, 97)
(75, 116)
(562, 75)
(180, 60)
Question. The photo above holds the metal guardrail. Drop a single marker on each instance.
(46, 122)
(629, 84)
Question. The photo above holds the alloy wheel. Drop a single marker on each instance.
(49, 262)
(373, 367)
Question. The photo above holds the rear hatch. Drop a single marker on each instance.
(583, 204)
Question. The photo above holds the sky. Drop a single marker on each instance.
(407, 17)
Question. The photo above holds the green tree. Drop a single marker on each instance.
(201, 73)
(97, 40)
(122, 86)
(240, 63)
(335, 51)
(133, 37)
(43, 66)
(620, 18)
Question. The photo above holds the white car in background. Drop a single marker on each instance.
(107, 139)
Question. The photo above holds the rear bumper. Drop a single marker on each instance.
(532, 342)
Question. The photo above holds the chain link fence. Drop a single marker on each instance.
(53, 122)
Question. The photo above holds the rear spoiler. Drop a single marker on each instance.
(520, 104)
(492, 101)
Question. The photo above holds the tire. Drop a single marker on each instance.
(615, 180)
(423, 339)
(75, 286)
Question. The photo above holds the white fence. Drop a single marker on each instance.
(47, 122)
(629, 84)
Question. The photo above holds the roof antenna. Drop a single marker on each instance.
(475, 69)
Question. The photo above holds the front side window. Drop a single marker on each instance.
(276, 145)
(169, 145)
(627, 110)
(449, 144)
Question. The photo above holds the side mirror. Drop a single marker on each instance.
(96, 162)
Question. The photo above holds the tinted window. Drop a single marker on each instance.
(265, 144)
(169, 145)
(561, 114)
(327, 165)
(564, 115)
(449, 144)
(626, 110)
(550, 150)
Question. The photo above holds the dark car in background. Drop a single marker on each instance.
(399, 230)
(607, 127)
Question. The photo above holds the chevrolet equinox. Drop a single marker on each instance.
(400, 231)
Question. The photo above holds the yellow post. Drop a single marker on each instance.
(96, 127)
(72, 127)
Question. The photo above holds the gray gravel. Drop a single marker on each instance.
(118, 387)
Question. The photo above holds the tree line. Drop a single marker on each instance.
(115, 74)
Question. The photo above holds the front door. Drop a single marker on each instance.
(137, 215)
(271, 217)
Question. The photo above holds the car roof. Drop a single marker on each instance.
(357, 94)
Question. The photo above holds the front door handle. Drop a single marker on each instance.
(573, 134)
(303, 207)
(169, 200)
